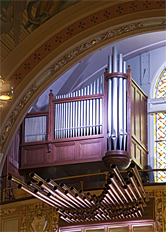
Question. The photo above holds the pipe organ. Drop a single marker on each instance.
(117, 103)
(102, 121)
(82, 117)
(120, 199)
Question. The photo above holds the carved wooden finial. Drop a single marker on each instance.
(50, 90)
(128, 66)
(106, 70)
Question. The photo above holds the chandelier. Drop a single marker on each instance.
(6, 92)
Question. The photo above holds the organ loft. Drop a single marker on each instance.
(82, 114)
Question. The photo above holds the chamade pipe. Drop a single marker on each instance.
(135, 171)
(53, 191)
(131, 176)
(114, 181)
(30, 191)
(117, 173)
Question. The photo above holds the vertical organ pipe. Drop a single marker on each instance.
(125, 108)
(88, 111)
(97, 106)
(115, 100)
(101, 110)
(60, 118)
(81, 117)
(71, 117)
(91, 110)
(85, 113)
(74, 124)
(76, 116)
(109, 103)
(94, 108)
(79, 113)
(55, 121)
(120, 112)
(58, 122)
(82, 113)
(62, 125)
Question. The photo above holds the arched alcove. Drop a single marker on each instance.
(24, 71)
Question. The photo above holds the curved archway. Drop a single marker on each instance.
(58, 49)
(155, 78)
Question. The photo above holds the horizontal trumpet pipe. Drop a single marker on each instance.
(117, 173)
(70, 194)
(135, 171)
(26, 189)
(131, 176)
(109, 197)
(74, 200)
(112, 194)
(111, 176)
(44, 185)
(81, 200)
(36, 191)
(87, 201)
(114, 190)
(127, 192)
(128, 183)
(59, 191)
(14, 179)
(52, 191)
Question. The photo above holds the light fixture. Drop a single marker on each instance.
(6, 91)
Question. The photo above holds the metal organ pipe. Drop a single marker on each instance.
(128, 183)
(26, 189)
(91, 109)
(109, 102)
(101, 91)
(117, 173)
(94, 109)
(97, 106)
(124, 107)
(77, 206)
(74, 117)
(80, 117)
(135, 171)
(88, 110)
(114, 181)
(131, 176)
(120, 112)
(82, 113)
(85, 113)
(71, 116)
(117, 102)
(79, 114)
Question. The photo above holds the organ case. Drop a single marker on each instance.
(106, 120)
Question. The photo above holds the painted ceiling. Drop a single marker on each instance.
(20, 18)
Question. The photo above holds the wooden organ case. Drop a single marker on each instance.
(106, 120)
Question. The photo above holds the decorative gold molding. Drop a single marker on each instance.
(70, 56)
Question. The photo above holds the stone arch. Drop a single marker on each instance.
(80, 30)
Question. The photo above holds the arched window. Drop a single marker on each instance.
(160, 129)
